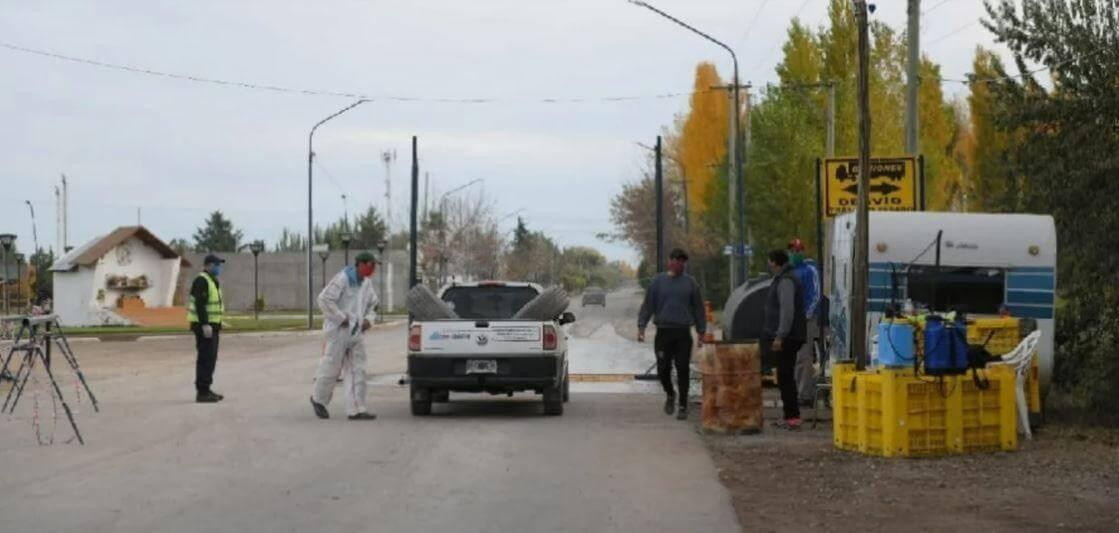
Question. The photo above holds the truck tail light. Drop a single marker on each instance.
(550, 339)
(414, 336)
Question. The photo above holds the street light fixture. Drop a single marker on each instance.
(740, 189)
(256, 247)
(6, 241)
(324, 253)
(381, 257)
(19, 280)
(347, 238)
(310, 228)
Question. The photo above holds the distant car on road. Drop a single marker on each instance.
(594, 296)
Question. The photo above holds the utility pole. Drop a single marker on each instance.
(660, 205)
(58, 221)
(412, 277)
(913, 81)
(65, 215)
(830, 148)
(860, 274)
(388, 157)
(35, 229)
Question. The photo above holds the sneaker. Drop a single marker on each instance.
(682, 413)
(670, 405)
(791, 424)
(208, 397)
(320, 409)
(363, 416)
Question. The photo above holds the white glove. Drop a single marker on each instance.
(207, 331)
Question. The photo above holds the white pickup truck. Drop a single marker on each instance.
(486, 350)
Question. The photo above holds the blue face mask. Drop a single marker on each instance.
(215, 270)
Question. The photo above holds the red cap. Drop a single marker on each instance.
(796, 245)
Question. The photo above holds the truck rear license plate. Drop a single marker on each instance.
(481, 366)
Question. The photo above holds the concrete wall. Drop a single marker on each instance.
(283, 278)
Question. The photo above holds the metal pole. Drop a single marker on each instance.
(740, 174)
(732, 192)
(412, 276)
(34, 229)
(659, 184)
(831, 120)
(7, 307)
(310, 228)
(923, 201)
(19, 283)
(256, 289)
(860, 291)
(913, 32)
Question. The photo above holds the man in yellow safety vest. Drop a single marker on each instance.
(205, 313)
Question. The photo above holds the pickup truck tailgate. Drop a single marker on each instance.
(481, 337)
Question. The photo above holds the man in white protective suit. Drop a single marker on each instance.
(349, 306)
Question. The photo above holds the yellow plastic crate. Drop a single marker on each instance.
(1004, 332)
(891, 413)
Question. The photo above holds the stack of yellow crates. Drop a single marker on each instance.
(894, 413)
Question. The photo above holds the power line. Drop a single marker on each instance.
(970, 78)
(769, 54)
(951, 33)
(339, 94)
(933, 8)
(753, 21)
(329, 176)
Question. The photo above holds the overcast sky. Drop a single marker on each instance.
(179, 149)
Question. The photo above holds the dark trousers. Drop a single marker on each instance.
(674, 346)
(207, 357)
(786, 374)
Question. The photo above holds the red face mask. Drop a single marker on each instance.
(365, 270)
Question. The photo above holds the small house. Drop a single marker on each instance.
(127, 277)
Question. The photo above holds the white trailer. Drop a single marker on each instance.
(978, 263)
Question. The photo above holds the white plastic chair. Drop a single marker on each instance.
(1020, 358)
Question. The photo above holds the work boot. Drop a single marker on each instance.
(682, 413)
(320, 409)
(363, 416)
(208, 397)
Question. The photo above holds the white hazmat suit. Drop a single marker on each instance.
(346, 299)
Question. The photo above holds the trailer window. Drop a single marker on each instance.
(971, 290)
(488, 302)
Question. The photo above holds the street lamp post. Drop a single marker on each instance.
(347, 238)
(384, 271)
(19, 281)
(740, 196)
(324, 253)
(6, 241)
(256, 247)
(310, 228)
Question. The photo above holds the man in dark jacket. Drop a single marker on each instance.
(675, 304)
(204, 312)
(785, 331)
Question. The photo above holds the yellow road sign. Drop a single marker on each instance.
(893, 185)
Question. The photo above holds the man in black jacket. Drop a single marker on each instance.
(205, 312)
(785, 331)
(674, 299)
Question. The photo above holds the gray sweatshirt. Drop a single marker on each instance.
(675, 301)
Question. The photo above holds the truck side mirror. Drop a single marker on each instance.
(567, 318)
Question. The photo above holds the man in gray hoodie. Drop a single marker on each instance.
(674, 302)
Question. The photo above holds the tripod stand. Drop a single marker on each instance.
(40, 332)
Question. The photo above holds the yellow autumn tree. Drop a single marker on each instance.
(702, 144)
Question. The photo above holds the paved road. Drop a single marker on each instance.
(260, 461)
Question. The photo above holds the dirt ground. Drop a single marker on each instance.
(1066, 478)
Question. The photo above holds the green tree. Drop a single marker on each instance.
(217, 235)
(1067, 154)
